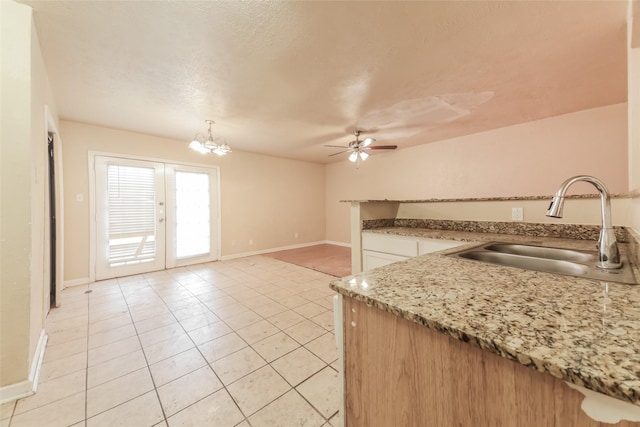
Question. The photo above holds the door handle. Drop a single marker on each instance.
(161, 219)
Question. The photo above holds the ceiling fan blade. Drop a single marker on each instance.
(382, 147)
(339, 152)
(367, 142)
(335, 146)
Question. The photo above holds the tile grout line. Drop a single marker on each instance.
(246, 417)
(250, 285)
(224, 387)
(13, 411)
(280, 375)
(123, 375)
(86, 376)
(195, 345)
(144, 354)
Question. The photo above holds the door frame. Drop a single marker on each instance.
(92, 198)
(51, 127)
(53, 227)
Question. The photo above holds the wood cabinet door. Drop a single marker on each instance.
(399, 373)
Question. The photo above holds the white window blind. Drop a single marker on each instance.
(132, 214)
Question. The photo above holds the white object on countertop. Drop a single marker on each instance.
(606, 409)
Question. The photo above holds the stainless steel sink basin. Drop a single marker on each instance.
(527, 262)
(543, 252)
(551, 260)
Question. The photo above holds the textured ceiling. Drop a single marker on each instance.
(284, 78)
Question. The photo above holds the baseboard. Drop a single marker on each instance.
(76, 282)
(333, 242)
(34, 373)
(266, 251)
(28, 387)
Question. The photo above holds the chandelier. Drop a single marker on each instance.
(210, 144)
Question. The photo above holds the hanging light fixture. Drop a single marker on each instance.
(210, 144)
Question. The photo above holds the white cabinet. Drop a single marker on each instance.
(383, 249)
(396, 245)
(371, 259)
(426, 246)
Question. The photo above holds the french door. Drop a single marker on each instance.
(192, 215)
(153, 215)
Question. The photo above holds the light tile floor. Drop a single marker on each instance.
(246, 342)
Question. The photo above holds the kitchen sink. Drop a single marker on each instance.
(543, 252)
(527, 262)
(551, 260)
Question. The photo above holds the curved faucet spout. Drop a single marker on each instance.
(607, 245)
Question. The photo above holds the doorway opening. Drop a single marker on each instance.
(52, 220)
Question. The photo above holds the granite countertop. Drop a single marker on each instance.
(582, 331)
(487, 199)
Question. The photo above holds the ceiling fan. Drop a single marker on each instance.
(358, 149)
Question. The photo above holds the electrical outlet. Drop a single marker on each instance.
(295, 236)
(251, 241)
(517, 214)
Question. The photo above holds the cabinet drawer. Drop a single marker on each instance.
(390, 244)
(426, 246)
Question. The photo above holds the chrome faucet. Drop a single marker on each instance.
(609, 256)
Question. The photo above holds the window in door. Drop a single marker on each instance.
(192, 213)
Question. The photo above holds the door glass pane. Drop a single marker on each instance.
(132, 215)
(193, 228)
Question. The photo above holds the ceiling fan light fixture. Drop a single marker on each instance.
(358, 149)
(209, 145)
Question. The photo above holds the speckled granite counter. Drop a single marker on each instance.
(582, 331)
(486, 199)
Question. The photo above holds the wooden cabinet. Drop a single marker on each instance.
(381, 249)
(399, 373)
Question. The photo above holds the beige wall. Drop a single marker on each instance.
(41, 96)
(264, 199)
(634, 111)
(530, 159)
(23, 178)
(16, 204)
(576, 211)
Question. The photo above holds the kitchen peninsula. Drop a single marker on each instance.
(442, 341)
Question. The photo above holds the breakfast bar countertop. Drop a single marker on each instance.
(582, 331)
